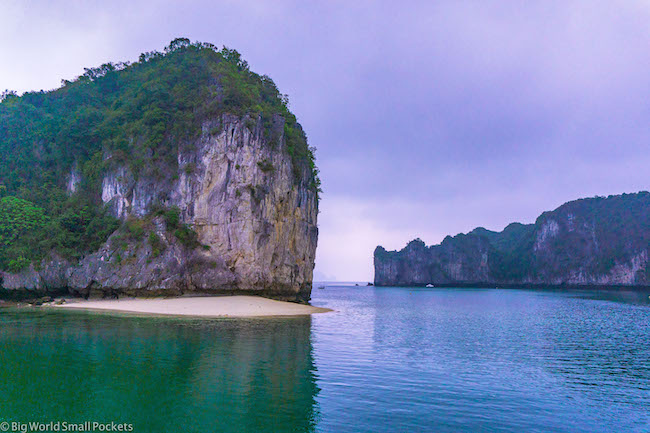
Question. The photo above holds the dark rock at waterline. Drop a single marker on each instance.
(41, 301)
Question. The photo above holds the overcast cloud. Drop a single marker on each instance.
(430, 118)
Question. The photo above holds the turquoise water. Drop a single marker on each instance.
(388, 360)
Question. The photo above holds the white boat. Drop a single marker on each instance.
(429, 285)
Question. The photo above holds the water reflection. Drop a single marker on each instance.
(159, 374)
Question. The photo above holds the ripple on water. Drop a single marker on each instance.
(482, 360)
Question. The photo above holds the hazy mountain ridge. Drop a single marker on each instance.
(596, 241)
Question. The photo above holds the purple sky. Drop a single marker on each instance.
(430, 118)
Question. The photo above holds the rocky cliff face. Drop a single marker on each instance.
(256, 223)
(463, 258)
(590, 242)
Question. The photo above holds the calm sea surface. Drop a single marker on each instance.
(388, 360)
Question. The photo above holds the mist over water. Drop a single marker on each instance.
(388, 359)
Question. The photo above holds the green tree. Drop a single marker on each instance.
(21, 225)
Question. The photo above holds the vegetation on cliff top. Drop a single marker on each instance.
(134, 114)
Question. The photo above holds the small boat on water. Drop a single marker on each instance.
(429, 285)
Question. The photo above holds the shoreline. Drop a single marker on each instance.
(526, 286)
(196, 306)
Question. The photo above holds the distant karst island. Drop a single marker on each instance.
(592, 242)
(183, 172)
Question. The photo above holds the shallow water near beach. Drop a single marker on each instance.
(388, 359)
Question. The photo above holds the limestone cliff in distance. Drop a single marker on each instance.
(183, 172)
(594, 242)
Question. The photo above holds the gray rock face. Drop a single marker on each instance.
(447, 263)
(590, 242)
(237, 191)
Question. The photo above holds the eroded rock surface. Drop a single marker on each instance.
(255, 217)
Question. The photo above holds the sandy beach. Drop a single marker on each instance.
(208, 306)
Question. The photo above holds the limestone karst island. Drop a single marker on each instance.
(600, 242)
(181, 173)
(324, 217)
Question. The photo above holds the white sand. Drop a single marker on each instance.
(212, 306)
